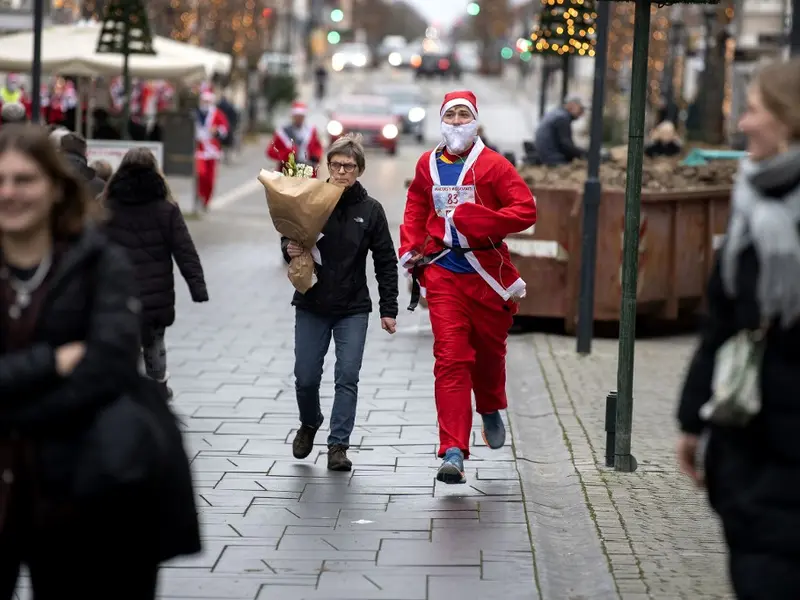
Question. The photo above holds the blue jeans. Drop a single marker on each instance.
(312, 338)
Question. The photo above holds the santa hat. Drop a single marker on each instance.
(461, 98)
(298, 108)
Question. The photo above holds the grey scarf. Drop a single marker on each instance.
(765, 213)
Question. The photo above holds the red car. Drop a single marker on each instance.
(370, 115)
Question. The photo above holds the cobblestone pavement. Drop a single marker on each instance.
(662, 540)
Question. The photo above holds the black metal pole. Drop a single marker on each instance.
(794, 33)
(624, 460)
(543, 86)
(592, 190)
(564, 77)
(36, 68)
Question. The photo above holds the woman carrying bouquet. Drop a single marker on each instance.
(464, 199)
(338, 305)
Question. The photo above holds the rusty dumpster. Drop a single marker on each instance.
(679, 232)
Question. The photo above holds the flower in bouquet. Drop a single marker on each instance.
(294, 169)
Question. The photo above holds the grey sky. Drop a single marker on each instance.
(445, 12)
(442, 11)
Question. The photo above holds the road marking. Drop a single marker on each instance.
(236, 194)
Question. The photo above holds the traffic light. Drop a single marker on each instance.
(337, 15)
(334, 37)
(266, 13)
(473, 9)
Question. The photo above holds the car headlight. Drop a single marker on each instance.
(337, 62)
(415, 115)
(395, 59)
(390, 132)
(359, 60)
(335, 128)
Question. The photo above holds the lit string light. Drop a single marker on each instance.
(565, 27)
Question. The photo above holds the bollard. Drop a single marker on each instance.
(611, 427)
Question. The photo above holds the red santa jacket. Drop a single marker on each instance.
(208, 133)
(308, 151)
(503, 204)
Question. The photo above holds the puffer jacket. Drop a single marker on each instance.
(151, 228)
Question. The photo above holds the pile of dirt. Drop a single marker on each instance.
(658, 175)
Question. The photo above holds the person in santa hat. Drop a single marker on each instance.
(298, 137)
(210, 128)
(464, 199)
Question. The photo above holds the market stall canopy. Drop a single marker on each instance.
(71, 50)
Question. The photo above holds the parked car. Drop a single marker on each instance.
(438, 64)
(371, 115)
(408, 104)
(351, 56)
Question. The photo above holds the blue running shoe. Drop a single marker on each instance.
(494, 432)
(452, 469)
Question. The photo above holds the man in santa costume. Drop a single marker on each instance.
(464, 199)
(210, 128)
(299, 137)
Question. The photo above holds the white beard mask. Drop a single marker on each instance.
(459, 137)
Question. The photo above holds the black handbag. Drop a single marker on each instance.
(122, 448)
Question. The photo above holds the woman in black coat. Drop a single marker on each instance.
(751, 466)
(149, 225)
(69, 347)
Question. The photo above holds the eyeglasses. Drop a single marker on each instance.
(335, 167)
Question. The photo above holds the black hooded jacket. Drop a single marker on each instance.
(81, 166)
(358, 225)
(151, 228)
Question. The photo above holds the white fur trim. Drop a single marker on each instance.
(477, 148)
(459, 102)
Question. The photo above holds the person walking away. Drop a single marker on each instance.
(297, 137)
(73, 147)
(554, 142)
(339, 304)
(211, 127)
(232, 115)
(750, 465)
(464, 199)
(321, 80)
(144, 221)
(69, 329)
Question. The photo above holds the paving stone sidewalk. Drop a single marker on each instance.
(277, 528)
(662, 540)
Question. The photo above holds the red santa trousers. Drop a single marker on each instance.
(470, 323)
(206, 173)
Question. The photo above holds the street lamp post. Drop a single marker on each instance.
(794, 32)
(592, 190)
(36, 67)
(675, 42)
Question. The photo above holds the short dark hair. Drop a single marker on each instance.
(69, 215)
(74, 142)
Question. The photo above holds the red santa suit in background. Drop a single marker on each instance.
(464, 199)
(210, 127)
(298, 137)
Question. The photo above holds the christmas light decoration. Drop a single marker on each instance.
(565, 27)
